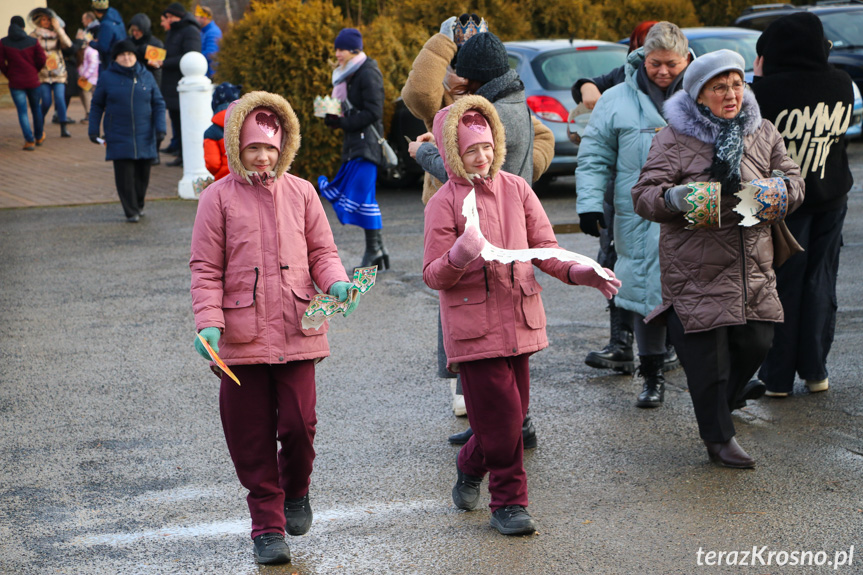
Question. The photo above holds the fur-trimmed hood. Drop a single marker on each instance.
(445, 130)
(682, 114)
(236, 115)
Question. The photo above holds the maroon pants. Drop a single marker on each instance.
(497, 394)
(274, 403)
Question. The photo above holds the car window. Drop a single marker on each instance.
(743, 45)
(844, 29)
(561, 69)
(513, 62)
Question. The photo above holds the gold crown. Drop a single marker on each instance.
(203, 12)
(100, 4)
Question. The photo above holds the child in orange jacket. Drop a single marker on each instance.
(215, 157)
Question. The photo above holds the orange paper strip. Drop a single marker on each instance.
(218, 360)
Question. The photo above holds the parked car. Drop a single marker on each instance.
(710, 39)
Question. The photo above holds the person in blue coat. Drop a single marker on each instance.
(134, 121)
(211, 35)
(111, 30)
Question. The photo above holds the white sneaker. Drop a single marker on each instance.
(769, 393)
(458, 407)
(817, 385)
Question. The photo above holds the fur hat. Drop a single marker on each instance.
(708, 66)
(482, 58)
(125, 45)
(99, 5)
(261, 126)
(349, 39)
(473, 128)
(175, 9)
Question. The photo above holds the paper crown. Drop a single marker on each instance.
(462, 32)
(100, 4)
(203, 12)
(327, 105)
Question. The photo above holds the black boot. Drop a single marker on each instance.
(376, 254)
(528, 432)
(653, 382)
(617, 355)
(64, 133)
(671, 359)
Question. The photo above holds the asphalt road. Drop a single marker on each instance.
(112, 458)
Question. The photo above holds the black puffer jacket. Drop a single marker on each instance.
(142, 22)
(366, 95)
(184, 36)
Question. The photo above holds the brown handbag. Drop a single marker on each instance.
(784, 244)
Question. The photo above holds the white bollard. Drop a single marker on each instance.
(196, 113)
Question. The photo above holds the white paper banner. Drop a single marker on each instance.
(490, 252)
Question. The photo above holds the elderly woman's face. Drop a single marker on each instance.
(663, 66)
(723, 94)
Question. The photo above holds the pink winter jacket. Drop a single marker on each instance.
(488, 309)
(257, 248)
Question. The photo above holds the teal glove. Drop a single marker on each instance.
(342, 290)
(212, 335)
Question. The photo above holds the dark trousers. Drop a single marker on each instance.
(497, 395)
(176, 131)
(132, 178)
(718, 363)
(274, 403)
(807, 289)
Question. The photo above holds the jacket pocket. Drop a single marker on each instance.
(302, 298)
(466, 314)
(531, 304)
(241, 322)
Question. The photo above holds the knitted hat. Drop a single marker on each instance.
(125, 45)
(175, 9)
(708, 66)
(473, 128)
(224, 94)
(99, 5)
(349, 39)
(17, 21)
(482, 58)
(261, 126)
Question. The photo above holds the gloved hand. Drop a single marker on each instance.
(781, 174)
(466, 248)
(333, 121)
(342, 290)
(590, 223)
(447, 27)
(586, 276)
(674, 198)
(160, 136)
(94, 139)
(212, 335)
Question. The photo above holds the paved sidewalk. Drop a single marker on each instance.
(65, 171)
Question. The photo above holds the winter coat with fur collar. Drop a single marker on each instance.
(488, 309)
(259, 246)
(713, 277)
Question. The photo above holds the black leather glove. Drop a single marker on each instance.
(333, 121)
(590, 223)
(160, 136)
(94, 139)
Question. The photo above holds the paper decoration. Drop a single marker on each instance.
(703, 200)
(218, 361)
(51, 63)
(200, 184)
(155, 53)
(324, 306)
(762, 201)
(327, 105)
(490, 252)
(84, 84)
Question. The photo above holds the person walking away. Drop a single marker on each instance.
(21, 58)
(492, 313)
(134, 111)
(183, 36)
(215, 155)
(211, 35)
(111, 31)
(249, 297)
(719, 294)
(53, 38)
(359, 85)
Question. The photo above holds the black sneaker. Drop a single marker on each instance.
(513, 520)
(465, 492)
(271, 549)
(298, 515)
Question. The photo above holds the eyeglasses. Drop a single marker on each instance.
(722, 89)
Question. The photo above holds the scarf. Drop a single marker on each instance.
(501, 87)
(727, 151)
(656, 94)
(342, 74)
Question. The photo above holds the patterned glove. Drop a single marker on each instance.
(675, 198)
(212, 335)
(586, 276)
(447, 27)
(466, 248)
(342, 290)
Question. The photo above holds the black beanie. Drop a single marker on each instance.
(482, 58)
(17, 21)
(176, 9)
(122, 46)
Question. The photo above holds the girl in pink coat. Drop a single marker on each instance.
(492, 314)
(261, 241)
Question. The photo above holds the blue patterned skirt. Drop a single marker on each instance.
(352, 193)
